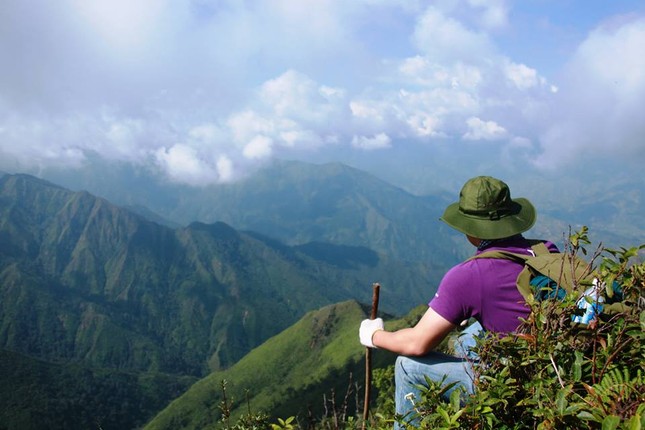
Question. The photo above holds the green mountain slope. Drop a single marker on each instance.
(84, 282)
(35, 394)
(116, 290)
(287, 375)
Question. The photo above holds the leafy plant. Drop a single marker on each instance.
(248, 421)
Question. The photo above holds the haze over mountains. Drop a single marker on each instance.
(609, 201)
(156, 299)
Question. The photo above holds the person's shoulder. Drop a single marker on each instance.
(459, 271)
(475, 266)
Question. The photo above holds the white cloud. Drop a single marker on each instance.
(379, 141)
(598, 109)
(225, 169)
(295, 96)
(205, 132)
(521, 76)
(424, 125)
(495, 13)
(64, 141)
(484, 130)
(413, 113)
(204, 90)
(444, 39)
(424, 71)
(290, 111)
(122, 25)
(259, 147)
(121, 138)
(306, 139)
(183, 163)
(245, 125)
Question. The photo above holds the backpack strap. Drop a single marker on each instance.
(539, 248)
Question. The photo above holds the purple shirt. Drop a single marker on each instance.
(485, 289)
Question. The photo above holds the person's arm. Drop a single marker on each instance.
(431, 329)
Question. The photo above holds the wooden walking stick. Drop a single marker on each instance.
(368, 356)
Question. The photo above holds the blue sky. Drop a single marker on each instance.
(201, 91)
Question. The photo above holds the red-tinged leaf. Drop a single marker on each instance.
(603, 342)
(591, 390)
(527, 337)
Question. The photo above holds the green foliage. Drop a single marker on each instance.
(284, 424)
(331, 203)
(248, 420)
(556, 374)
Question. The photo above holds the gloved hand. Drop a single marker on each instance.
(367, 330)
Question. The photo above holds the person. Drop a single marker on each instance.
(483, 289)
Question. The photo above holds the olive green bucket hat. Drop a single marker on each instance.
(485, 210)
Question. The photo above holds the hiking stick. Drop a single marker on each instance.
(368, 356)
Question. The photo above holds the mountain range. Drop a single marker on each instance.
(87, 283)
(610, 202)
(177, 285)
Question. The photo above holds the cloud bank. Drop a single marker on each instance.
(201, 91)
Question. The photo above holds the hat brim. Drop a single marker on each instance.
(484, 228)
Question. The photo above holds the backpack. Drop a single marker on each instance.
(549, 275)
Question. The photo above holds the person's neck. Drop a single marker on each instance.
(485, 243)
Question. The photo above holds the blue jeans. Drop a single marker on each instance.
(409, 372)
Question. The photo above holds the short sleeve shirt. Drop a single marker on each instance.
(485, 289)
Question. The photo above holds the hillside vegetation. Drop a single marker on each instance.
(84, 282)
(317, 359)
(288, 368)
(35, 394)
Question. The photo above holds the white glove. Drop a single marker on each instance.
(367, 330)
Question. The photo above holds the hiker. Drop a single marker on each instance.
(483, 289)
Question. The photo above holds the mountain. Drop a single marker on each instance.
(114, 289)
(333, 203)
(333, 210)
(84, 282)
(287, 375)
(297, 203)
(35, 394)
(279, 201)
